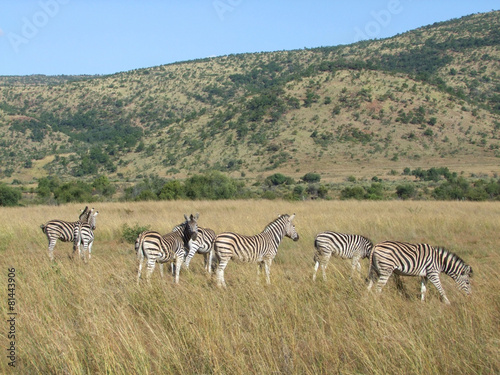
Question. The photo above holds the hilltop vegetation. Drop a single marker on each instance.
(426, 98)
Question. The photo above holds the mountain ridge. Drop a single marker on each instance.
(427, 97)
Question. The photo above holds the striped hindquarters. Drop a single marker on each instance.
(202, 245)
(162, 249)
(204, 241)
(83, 235)
(342, 245)
(403, 258)
(60, 230)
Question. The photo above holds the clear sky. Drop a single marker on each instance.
(108, 36)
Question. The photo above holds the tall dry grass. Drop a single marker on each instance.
(92, 318)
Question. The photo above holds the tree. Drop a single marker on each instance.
(9, 196)
(312, 177)
(213, 185)
(102, 186)
(279, 179)
(171, 190)
(405, 191)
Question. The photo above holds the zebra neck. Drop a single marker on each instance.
(276, 231)
(448, 262)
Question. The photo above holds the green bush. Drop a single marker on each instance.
(213, 185)
(312, 177)
(279, 179)
(405, 191)
(130, 234)
(172, 190)
(356, 192)
(75, 191)
(9, 196)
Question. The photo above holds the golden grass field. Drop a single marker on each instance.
(76, 318)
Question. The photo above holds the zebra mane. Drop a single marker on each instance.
(276, 222)
(452, 264)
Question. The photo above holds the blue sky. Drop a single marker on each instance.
(108, 36)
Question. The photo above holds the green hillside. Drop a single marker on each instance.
(426, 98)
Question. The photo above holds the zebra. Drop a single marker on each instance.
(84, 234)
(167, 248)
(202, 245)
(417, 260)
(261, 248)
(62, 230)
(347, 246)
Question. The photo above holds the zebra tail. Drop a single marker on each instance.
(316, 245)
(139, 250)
(371, 268)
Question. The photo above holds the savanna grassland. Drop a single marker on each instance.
(76, 318)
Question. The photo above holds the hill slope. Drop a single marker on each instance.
(429, 97)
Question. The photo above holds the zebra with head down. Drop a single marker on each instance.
(402, 258)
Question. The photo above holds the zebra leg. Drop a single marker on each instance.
(206, 261)
(382, 280)
(151, 262)
(52, 244)
(90, 249)
(434, 278)
(355, 265)
(219, 273)
(423, 288)
(316, 266)
(140, 259)
(85, 252)
(267, 268)
(178, 264)
(324, 264)
(161, 270)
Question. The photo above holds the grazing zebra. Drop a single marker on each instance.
(62, 230)
(347, 246)
(202, 245)
(168, 248)
(417, 260)
(84, 234)
(261, 248)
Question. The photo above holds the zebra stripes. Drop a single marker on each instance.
(202, 245)
(346, 246)
(62, 230)
(167, 248)
(261, 248)
(422, 260)
(84, 235)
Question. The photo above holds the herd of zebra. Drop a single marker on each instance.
(187, 239)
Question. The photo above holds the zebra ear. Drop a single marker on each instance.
(95, 214)
(292, 217)
(196, 216)
(186, 217)
(467, 271)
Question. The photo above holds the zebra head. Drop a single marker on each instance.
(191, 227)
(84, 214)
(463, 279)
(91, 219)
(290, 228)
